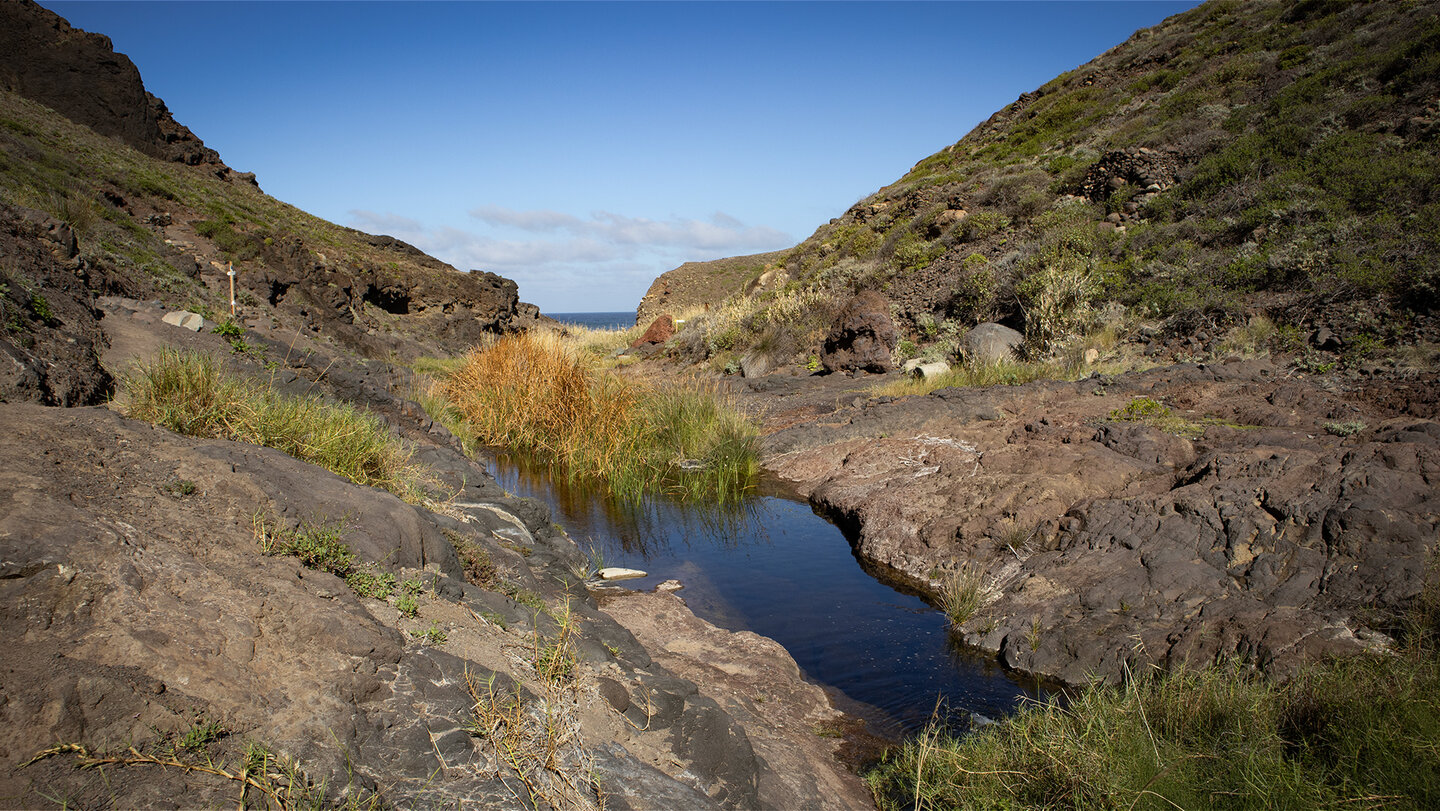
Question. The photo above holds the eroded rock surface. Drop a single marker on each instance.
(1236, 527)
(51, 341)
(137, 600)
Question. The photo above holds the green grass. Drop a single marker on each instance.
(962, 594)
(188, 393)
(318, 546)
(531, 394)
(1359, 733)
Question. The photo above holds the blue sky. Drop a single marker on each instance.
(582, 149)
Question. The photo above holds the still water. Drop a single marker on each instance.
(774, 567)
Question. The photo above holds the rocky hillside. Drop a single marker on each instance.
(1217, 245)
(698, 285)
(79, 75)
(134, 205)
(196, 620)
(1239, 158)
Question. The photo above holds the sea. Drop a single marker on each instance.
(620, 320)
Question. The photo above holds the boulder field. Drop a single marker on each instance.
(1184, 514)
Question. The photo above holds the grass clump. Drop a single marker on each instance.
(433, 636)
(535, 741)
(962, 593)
(530, 393)
(1359, 733)
(188, 393)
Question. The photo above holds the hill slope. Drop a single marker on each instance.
(1239, 157)
(149, 213)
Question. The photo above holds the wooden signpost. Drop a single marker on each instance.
(230, 271)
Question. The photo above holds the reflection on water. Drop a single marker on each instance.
(772, 566)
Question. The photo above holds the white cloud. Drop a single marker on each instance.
(722, 232)
(568, 264)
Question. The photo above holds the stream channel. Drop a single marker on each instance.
(773, 566)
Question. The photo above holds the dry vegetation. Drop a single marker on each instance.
(533, 394)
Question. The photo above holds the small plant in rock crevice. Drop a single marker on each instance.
(434, 636)
(318, 546)
(962, 593)
(407, 605)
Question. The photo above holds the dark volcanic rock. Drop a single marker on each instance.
(863, 337)
(79, 75)
(1108, 544)
(51, 338)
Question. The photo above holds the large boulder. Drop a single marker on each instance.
(660, 330)
(863, 337)
(991, 343)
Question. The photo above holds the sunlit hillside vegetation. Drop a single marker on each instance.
(1275, 158)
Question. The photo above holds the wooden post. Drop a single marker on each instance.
(230, 271)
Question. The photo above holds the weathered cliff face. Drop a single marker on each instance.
(79, 75)
(148, 224)
(52, 344)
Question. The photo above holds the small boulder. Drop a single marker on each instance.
(660, 330)
(181, 318)
(619, 573)
(990, 343)
(933, 369)
(863, 337)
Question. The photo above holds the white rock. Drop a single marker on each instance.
(182, 318)
(928, 370)
(670, 585)
(618, 573)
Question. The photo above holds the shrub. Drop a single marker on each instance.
(228, 329)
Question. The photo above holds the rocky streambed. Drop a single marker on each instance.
(157, 657)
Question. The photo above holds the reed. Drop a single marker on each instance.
(535, 394)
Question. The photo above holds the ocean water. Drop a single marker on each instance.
(620, 320)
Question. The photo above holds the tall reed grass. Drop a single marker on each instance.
(536, 395)
(188, 393)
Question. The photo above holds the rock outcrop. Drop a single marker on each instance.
(696, 285)
(863, 337)
(1233, 526)
(79, 75)
(51, 341)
